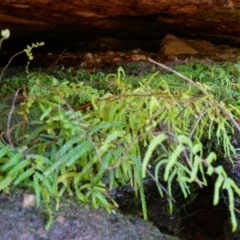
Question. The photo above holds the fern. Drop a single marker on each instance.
(139, 184)
(68, 149)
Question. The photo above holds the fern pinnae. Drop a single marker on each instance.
(85, 171)
(195, 168)
(231, 206)
(37, 190)
(24, 175)
(234, 186)
(19, 167)
(78, 152)
(137, 169)
(153, 144)
(63, 150)
(44, 181)
(66, 175)
(39, 160)
(106, 125)
(113, 136)
(171, 178)
(112, 180)
(70, 157)
(103, 201)
(13, 161)
(218, 184)
(100, 173)
(182, 183)
(3, 150)
(113, 111)
(172, 160)
(5, 182)
(139, 184)
(157, 171)
(80, 195)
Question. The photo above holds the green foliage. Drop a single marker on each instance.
(84, 135)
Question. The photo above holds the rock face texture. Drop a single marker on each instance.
(140, 18)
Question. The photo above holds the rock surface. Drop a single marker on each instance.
(172, 45)
(141, 18)
(73, 221)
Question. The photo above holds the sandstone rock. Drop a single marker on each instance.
(145, 18)
(172, 45)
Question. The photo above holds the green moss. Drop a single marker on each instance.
(230, 15)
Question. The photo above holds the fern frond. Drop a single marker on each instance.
(158, 140)
(102, 170)
(45, 181)
(65, 176)
(172, 160)
(97, 196)
(233, 218)
(84, 171)
(5, 182)
(70, 157)
(217, 186)
(20, 166)
(37, 189)
(24, 175)
(3, 150)
(13, 161)
(139, 184)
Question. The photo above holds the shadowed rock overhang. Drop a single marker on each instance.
(42, 19)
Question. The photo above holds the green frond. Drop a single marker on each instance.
(37, 189)
(169, 187)
(13, 161)
(85, 171)
(70, 157)
(217, 186)
(39, 160)
(158, 140)
(233, 218)
(24, 175)
(102, 170)
(172, 160)
(45, 181)
(139, 184)
(98, 199)
(65, 176)
(3, 150)
(19, 167)
(5, 182)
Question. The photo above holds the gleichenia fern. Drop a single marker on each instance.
(111, 141)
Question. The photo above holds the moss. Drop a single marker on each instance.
(232, 15)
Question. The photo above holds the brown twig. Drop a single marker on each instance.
(56, 61)
(8, 133)
(10, 60)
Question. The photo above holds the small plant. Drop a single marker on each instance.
(5, 35)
